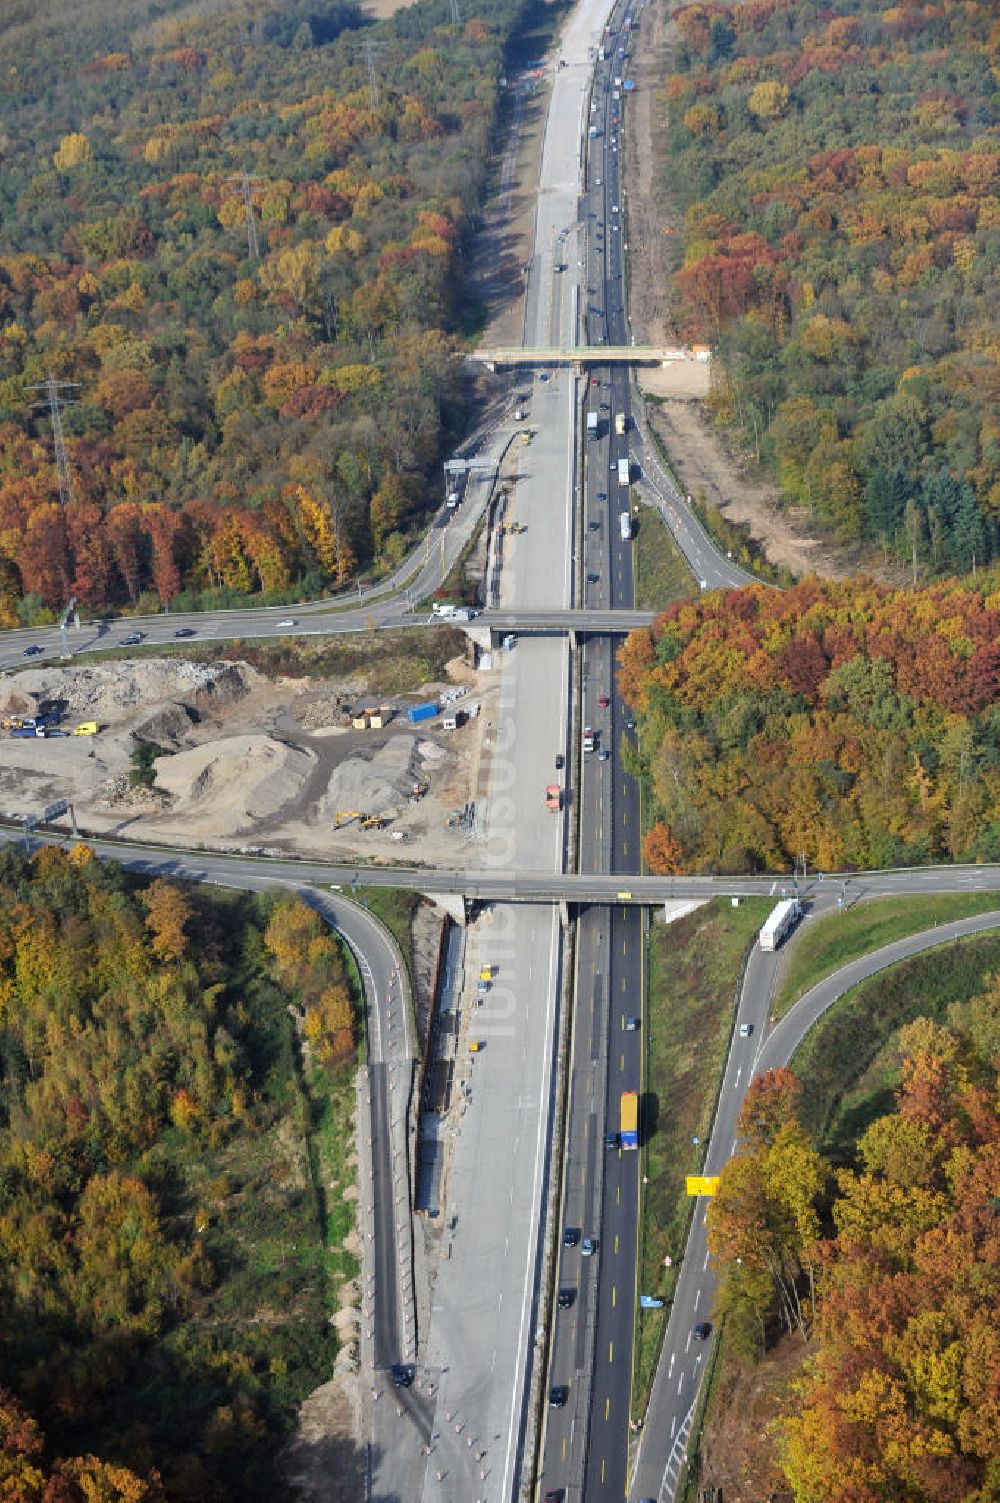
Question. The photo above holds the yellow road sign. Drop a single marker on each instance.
(702, 1184)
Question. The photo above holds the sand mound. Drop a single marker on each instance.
(232, 784)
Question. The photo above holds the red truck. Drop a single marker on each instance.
(553, 798)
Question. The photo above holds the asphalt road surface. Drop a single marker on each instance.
(682, 1361)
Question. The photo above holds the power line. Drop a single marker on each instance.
(244, 186)
(370, 48)
(55, 401)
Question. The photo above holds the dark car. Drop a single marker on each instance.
(133, 639)
(184, 631)
(703, 1330)
(593, 578)
(602, 495)
(558, 1394)
(611, 1140)
(402, 1375)
(593, 526)
(554, 1495)
(566, 1298)
(571, 1236)
(560, 762)
(33, 651)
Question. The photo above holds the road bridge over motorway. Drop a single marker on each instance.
(585, 354)
(522, 886)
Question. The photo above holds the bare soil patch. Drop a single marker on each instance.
(738, 1453)
(381, 10)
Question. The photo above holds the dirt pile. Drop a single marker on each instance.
(375, 783)
(112, 692)
(229, 786)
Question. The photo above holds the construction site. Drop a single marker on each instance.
(218, 755)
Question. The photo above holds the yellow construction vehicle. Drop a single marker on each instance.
(344, 817)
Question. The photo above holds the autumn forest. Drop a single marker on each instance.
(836, 171)
(246, 408)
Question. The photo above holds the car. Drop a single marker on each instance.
(615, 209)
(746, 1029)
(560, 761)
(593, 526)
(558, 1394)
(566, 1299)
(595, 380)
(287, 624)
(600, 180)
(593, 578)
(605, 406)
(571, 1236)
(133, 639)
(33, 651)
(402, 1374)
(703, 1330)
(544, 376)
(554, 1495)
(588, 1247)
(630, 724)
(603, 755)
(631, 1025)
(184, 631)
(602, 495)
(603, 701)
(610, 1140)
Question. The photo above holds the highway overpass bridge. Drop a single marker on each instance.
(579, 356)
(489, 628)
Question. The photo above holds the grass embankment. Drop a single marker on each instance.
(694, 967)
(661, 573)
(848, 1063)
(824, 945)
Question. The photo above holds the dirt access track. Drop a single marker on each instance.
(250, 764)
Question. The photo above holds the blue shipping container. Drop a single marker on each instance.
(417, 713)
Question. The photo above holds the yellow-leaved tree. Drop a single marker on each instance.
(73, 151)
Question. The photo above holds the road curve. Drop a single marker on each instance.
(663, 1448)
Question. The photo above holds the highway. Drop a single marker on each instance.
(666, 1432)
(463, 1432)
(585, 1451)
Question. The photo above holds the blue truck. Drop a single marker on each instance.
(417, 714)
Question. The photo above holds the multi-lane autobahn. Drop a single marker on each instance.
(463, 1433)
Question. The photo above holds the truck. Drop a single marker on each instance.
(591, 424)
(28, 730)
(592, 133)
(624, 473)
(625, 522)
(553, 798)
(621, 423)
(630, 1120)
(441, 608)
(780, 922)
(417, 714)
